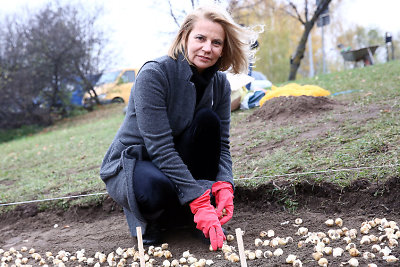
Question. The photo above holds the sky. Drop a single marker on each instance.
(382, 14)
(141, 30)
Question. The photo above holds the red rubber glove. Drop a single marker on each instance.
(223, 193)
(207, 220)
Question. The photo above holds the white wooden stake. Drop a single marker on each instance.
(140, 245)
(239, 239)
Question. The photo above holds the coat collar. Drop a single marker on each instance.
(184, 67)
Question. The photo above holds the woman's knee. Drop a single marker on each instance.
(207, 117)
(152, 188)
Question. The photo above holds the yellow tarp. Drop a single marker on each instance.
(294, 89)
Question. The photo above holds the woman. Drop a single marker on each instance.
(172, 151)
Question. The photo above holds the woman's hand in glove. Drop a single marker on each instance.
(207, 221)
(223, 193)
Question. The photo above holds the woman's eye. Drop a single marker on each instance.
(200, 37)
(217, 43)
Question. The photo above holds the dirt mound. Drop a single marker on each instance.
(284, 108)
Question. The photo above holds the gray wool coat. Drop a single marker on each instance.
(162, 105)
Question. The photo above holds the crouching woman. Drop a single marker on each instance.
(171, 154)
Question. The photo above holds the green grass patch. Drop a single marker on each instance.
(61, 161)
(24, 131)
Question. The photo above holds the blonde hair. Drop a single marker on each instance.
(236, 52)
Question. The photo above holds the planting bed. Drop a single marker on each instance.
(103, 228)
(272, 206)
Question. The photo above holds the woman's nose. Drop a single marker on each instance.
(207, 46)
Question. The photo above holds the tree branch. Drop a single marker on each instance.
(322, 6)
(172, 12)
(290, 14)
(297, 13)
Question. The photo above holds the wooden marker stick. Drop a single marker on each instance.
(140, 245)
(239, 239)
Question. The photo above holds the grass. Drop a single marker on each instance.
(351, 144)
(8, 135)
(59, 161)
(64, 159)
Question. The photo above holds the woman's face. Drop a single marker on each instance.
(205, 43)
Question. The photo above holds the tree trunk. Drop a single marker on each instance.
(301, 47)
(88, 87)
(300, 50)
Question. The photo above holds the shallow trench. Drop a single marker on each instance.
(103, 228)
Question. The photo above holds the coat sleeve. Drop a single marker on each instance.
(223, 109)
(150, 98)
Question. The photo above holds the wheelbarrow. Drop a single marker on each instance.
(364, 54)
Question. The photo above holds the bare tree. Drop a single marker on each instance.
(16, 82)
(56, 47)
(69, 48)
(308, 25)
(178, 14)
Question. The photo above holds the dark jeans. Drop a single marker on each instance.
(199, 147)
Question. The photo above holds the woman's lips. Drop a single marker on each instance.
(204, 58)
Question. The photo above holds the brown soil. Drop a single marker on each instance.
(292, 107)
(103, 228)
(271, 206)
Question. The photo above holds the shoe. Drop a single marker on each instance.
(153, 235)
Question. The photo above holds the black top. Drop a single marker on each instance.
(201, 80)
